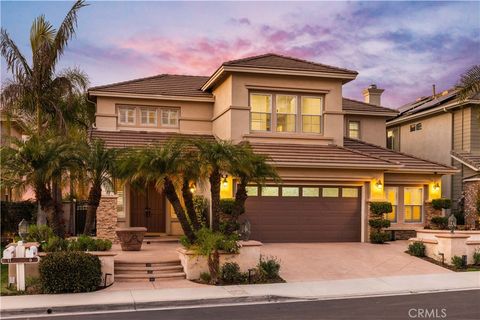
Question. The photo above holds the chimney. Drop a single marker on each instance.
(372, 94)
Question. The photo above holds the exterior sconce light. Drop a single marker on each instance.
(193, 188)
(23, 229)
(452, 223)
(225, 181)
(379, 184)
(436, 186)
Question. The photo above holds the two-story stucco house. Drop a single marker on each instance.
(329, 151)
(443, 129)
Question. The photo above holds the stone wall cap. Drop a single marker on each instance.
(473, 242)
(448, 231)
(26, 244)
(109, 196)
(433, 241)
(134, 229)
(93, 253)
(452, 235)
(250, 243)
(189, 252)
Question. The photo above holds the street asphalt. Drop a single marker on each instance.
(461, 305)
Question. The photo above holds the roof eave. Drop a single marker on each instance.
(332, 166)
(345, 76)
(97, 93)
(370, 113)
(416, 171)
(465, 163)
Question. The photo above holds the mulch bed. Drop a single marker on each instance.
(470, 267)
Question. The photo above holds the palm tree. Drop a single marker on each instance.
(249, 167)
(37, 163)
(36, 89)
(99, 165)
(191, 174)
(216, 159)
(163, 166)
(469, 84)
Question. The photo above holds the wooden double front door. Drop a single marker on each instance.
(147, 209)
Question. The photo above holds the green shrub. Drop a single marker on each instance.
(14, 212)
(269, 269)
(476, 258)
(379, 223)
(457, 262)
(205, 277)
(55, 244)
(103, 244)
(40, 234)
(460, 216)
(440, 223)
(417, 249)
(65, 272)
(379, 237)
(441, 203)
(226, 206)
(230, 274)
(378, 208)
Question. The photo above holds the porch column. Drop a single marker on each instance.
(107, 217)
(472, 192)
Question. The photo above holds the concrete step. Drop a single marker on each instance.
(146, 263)
(149, 277)
(145, 269)
(161, 239)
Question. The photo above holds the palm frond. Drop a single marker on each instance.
(469, 84)
(16, 62)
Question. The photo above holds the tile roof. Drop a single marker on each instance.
(408, 162)
(468, 158)
(163, 84)
(122, 139)
(276, 61)
(319, 156)
(359, 106)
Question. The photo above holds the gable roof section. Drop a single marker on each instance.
(272, 63)
(122, 139)
(351, 106)
(409, 163)
(163, 85)
(469, 159)
(320, 156)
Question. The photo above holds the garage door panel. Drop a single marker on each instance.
(304, 219)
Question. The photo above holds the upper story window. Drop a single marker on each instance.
(170, 117)
(393, 137)
(311, 114)
(416, 127)
(148, 116)
(261, 112)
(286, 107)
(126, 115)
(354, 129)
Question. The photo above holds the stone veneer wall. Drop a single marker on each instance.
(472, 189)
(107, 218)
(430, 212)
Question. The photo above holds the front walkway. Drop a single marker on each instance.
(335, 261)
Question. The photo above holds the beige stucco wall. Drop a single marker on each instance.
(372, 128)
(195, 117)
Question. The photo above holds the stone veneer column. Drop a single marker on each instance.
(107, 217)
(472, 189)
(430, 212)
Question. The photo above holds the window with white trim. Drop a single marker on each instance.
(413, 204)
(391, 194)
(311, 114)
(170, 117)
(126, 115)
(148, 116)
(354, 129)
(286, 109)
(260, 112)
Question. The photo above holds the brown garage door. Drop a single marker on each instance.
(304, 214)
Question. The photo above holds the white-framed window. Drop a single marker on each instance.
(311, 114)
(310, 192)
(330, 192)
(349, 192)
(148, 116)
(290, 191)
(252, 191)
(413, 204)
(270, 191)
(170, 117)
(391, 194)
(286, 110)
(354, 129)
(260, 112)
(126, 115)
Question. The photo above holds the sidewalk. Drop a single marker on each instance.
(213, 295)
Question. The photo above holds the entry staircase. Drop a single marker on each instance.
(147, 271)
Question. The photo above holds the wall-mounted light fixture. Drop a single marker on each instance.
(225, 181)
(379, 184)
(436, 186)
(193, 187)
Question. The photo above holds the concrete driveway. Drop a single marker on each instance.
(332, 261)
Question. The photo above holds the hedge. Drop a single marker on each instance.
(441, 203)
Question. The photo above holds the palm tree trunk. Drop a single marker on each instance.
(56, 216)
(213, 261)
(172, 196)
(188, 200)
(215, 178)
(240, 198)
(47, 205)
(94, 197)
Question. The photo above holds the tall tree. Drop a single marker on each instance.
(469, 84)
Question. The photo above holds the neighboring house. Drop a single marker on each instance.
(329, 151)
(443, 129)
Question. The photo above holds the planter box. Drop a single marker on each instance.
(131, 239)
(106, 259)
(247, 258)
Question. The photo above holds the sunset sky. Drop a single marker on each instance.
(403, 47)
